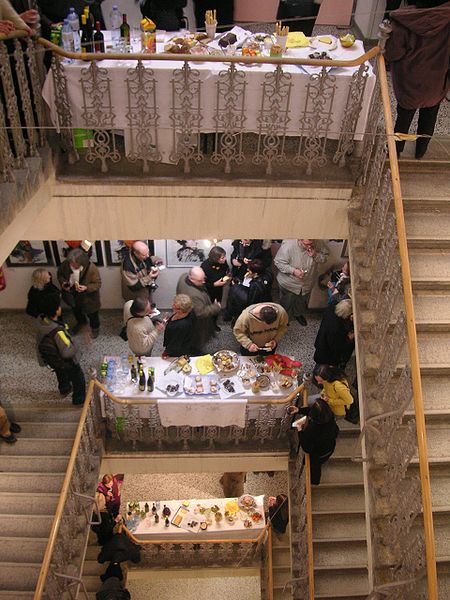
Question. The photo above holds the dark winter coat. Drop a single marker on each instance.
(318, 439)
(333, 347)
(37, 298)
(204, 310)
(166, 14)
(214, 272)
(253, 250)
(179, 335)
(120, 549)
(88, 301)
(241, 296)
(419, 52)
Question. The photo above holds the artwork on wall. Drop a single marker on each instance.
(187, 253)
(115, 250)
(61, 249)
(344, 251)
(30, 253)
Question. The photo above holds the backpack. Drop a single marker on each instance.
(49, 352)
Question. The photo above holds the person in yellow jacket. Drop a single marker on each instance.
(336, 390)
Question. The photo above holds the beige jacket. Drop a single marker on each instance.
(141, 332)
(289, 257)
(251, 330)
(7, 13)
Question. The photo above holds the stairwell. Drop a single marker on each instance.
(31, 476)
(426, 193)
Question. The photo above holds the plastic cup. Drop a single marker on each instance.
(210, 30)
(282, 41)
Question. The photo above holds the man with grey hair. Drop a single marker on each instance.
(335, 339)
(193, 285)
(139, 272)
(297, 261)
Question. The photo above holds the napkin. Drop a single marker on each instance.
(297, 39)
(204, 364)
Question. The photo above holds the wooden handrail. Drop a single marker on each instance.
(140, 402)
(196, 540)
(269, 564)
(18, 33)
(91, 56)
(430, 551)
(309, 521)
(62, 498)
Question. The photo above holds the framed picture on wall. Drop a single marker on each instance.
(187, 253)
(344, 251)
(30, 253)
(115, 250)
(61, 249)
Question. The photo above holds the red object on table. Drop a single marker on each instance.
(288, 365)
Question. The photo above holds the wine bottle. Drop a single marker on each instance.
(85, 41)
(125, 31)
(154, 509)
(167, 522)
(146, 507)
(141, 381)
(150, 383)
(156, 518)
(99, 40)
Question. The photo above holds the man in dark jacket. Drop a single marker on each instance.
(80, 281)
(193, 285)
(419, 53)
(139, 272)
(244, 251)
(335, 340)
(57, 349)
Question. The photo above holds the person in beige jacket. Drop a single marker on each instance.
(260, 327)
(141, 331)
(9, 19)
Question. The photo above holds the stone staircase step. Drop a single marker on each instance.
(43, 415)
(434, 349)
(430, 308)
(36, 464)
(341, 583)
(430, 264)
(54, 430)
(442, 537)
(347, 526)
(17, 595)
(38, 447)
(25, 526)
(417, 186)
(282, 557)
(329, 496)
(92, 582)
(37, 503)
(22, 577)
(429, 283)
(14, 481)
(338, 470)
(440, 492)
(92, 567)
(430, 225)
(22, 549)
(340, 553)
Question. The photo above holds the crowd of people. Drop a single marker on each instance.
(241, 292)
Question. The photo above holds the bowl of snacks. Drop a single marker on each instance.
(225, 361)
(264, 382)
(285, 382)
(347, 40)
(246, 502)
(256, 517)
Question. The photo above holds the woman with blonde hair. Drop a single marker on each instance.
(40, 290)
(179, 328)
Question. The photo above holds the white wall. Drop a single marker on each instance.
(18, 281)
(368, 15)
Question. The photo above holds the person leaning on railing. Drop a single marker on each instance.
(9, 19)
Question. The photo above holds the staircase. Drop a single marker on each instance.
(427, 211)
(31, 476)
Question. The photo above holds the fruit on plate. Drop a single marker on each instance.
(347, 40)
(326, 39)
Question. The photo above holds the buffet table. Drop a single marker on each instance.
(118, 80)
(187, 516)
(221, 409)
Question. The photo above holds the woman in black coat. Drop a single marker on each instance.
(41, 289)
(317, 433)
(244, 251)
(166, 14)
(216, 272)
(253, 288)
(178, 334)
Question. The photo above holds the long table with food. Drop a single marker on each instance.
(200, 391)
(120, 85)
(196, 519)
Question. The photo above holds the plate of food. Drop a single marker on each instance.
(201, 385)
(263, 382)
(285, 382)
(323, 43)
(246, 502)
(225, 361)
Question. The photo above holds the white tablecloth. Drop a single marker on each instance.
(118, 71)
(148, 529)
(192, 410)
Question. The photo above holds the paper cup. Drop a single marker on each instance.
(210, 30)
(282, 41)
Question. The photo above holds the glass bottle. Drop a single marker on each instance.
(141, 381)
(150, 383)
(99, 40)
(125, 31)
